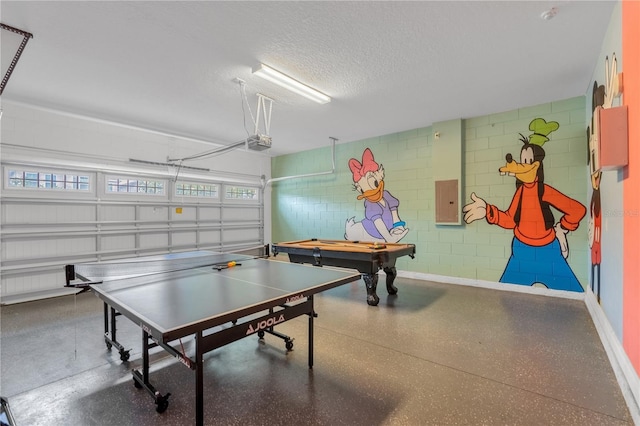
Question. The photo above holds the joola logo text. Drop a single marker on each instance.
(145, 328)
(294, 298)
(184, 361)
(148, 331)
(264, 324)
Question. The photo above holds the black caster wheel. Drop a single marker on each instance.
(137, 384)
(391, 276)
(161, 406)
(124, 356)
(260, 334)
(373, 300)
(289, 345)
(109, 346)
(162, 402)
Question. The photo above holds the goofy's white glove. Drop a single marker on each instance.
(561, 235)
(476, 210)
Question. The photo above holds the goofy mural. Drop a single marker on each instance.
(539, 247)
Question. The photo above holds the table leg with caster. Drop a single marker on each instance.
(392, 273)
(110, 330)
(141, 380)
(371, 282)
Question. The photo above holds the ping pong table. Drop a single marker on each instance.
(217, 297)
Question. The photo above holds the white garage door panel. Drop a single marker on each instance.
(210, 213)
(208, 238)
(153, 213)
(234, 214)
(42, 232)
(47, 213)
(24, 251)
(154, 240)
(118, 242)
(185, 239)
(118, 212)
(181, 213)
(241, 234)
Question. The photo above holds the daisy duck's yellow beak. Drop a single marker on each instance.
(523, 172)
(374, 195)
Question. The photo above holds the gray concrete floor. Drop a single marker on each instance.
(435, 354)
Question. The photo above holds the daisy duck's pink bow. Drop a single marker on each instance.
(360, 169)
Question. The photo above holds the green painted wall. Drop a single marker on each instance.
(318, 207)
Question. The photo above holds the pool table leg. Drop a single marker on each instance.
(371, 281)
(391, 276)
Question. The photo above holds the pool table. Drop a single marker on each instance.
(367, 257)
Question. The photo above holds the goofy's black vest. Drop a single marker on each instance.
(538, 155)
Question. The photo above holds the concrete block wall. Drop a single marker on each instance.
(317, 207)
(488, 139)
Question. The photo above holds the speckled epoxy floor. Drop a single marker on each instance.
(435, 354)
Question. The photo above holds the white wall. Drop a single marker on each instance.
(611, 192)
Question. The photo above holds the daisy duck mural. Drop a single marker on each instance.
(381, 223)
(540, 246)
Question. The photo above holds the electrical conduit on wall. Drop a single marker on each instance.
(328, 172)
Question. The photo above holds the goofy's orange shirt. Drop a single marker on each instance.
(531, 230)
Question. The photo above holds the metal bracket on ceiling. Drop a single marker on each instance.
(25, 38)
(265, 104)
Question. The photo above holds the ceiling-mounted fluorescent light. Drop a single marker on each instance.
(287, 82)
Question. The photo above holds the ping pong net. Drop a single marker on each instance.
(98, 272)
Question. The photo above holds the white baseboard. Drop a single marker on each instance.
(492, 285)
(625, 373)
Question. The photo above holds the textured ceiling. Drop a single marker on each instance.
(389, 66)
